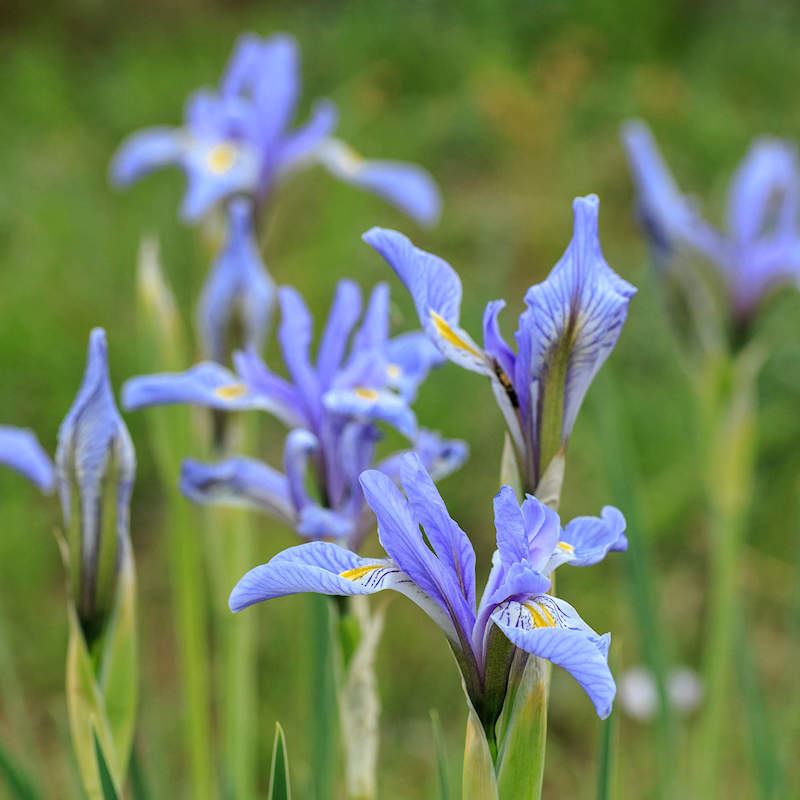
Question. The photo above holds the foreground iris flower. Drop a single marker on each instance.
(238, 140)
(437, 573)
(571, 324)
(95, 469)
(760, 248)
(332, 406)
(20, 450)
(239, 294)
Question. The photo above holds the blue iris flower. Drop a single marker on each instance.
(761, 247)
(331, 405)
(437, 572)
(20, 450)
(238, 139)
(95, 470)
(571, 324)
(239, 294)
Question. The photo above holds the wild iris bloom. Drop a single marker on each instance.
(239, 294)
(438, 574)
(761, 247)
(95, 469)
(571, 324)
(20, 450)
(238, 140)
(331, 406)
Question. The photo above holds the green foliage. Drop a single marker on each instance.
(18, 783)
(279, 785)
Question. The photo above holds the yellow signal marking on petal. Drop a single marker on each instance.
(393, 371)
(542, 618)
(230, 392)
(449, 335)
(221, 157)
(358, 572)
(365, 393)
(348, 160)
(567, 547)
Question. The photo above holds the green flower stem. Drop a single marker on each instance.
(728, 407)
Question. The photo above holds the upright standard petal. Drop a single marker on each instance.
(20, 450)
(575, 317)
(408, 187)
(512, 541)
(344, 313)
(95, 465)
(239, 294)
(436, 290)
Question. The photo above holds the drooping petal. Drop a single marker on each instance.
(237, 286)
(408, 187)
(592, 537)
(318, 522)
(373, 405)
(436, 290)
(550, 628)
(765, 193)
(295, 333)
(576, 314)
(344, 313)
(238, 481)
(206, 384)
(326, 568)
(449, 542)
(145, 151)
(20, 450)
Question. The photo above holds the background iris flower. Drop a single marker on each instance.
(331, 405)
(760, 248)
(571, 324)
(20, 450)
(238, 139)
(437, 573)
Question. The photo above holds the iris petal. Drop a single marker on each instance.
(20, 450)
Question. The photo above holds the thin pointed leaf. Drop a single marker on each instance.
(106, 781)
(478, 780)
(119, 667)
(441, 755)
(87, 716)
(279, 787)
(522, 732)
(18, 784)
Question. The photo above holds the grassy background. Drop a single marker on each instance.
(515, 108)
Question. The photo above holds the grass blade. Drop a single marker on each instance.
(106, 782)
(279, 786)
(441, 755)
(19, 785)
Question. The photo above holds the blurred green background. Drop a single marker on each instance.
(515, 108)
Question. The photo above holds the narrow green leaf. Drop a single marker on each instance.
(119, 665)
(279, 786)
(522, 732)
(139, 785)
(478, 779)
(106, 782)
(19, 785)
(87, 716)
(441, 755)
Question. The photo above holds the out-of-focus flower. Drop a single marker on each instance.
(760, 248)
(20, 450)
(238, 139)
(238, 298)
(638, 695)
(438, 574)
(95, 470)
(332, 405)
(571, 324)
